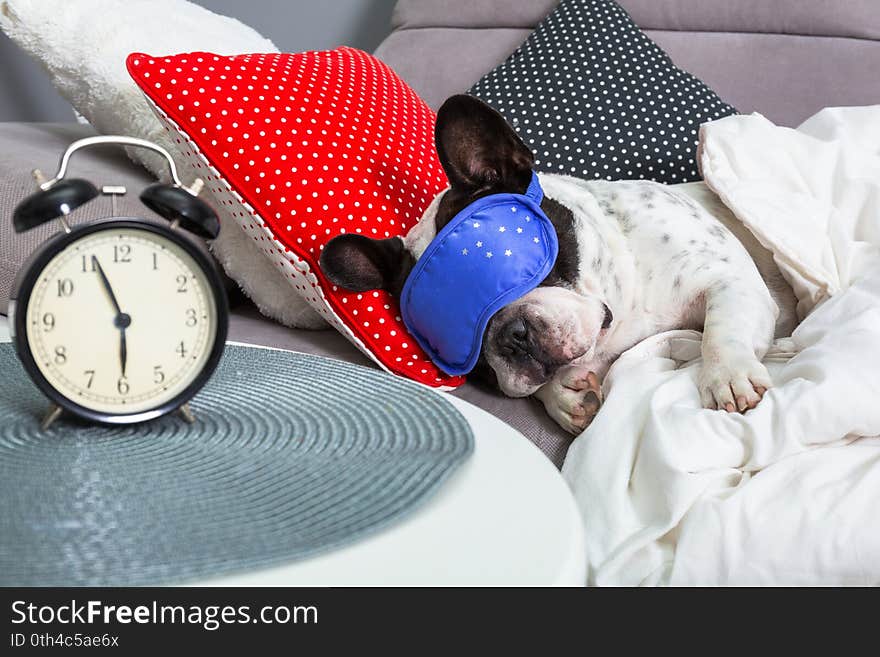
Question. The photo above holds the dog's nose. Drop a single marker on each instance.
(515, 334)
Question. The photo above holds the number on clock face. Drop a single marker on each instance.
(121, 321)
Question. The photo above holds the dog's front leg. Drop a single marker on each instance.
(572, 397)
(737, 332)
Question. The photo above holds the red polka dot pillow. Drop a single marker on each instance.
(300, 148)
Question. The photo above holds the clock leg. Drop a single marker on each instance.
(51, 415)
(187, 414)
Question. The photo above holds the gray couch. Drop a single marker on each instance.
(785, 58)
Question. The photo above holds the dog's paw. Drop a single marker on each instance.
(733, 385)
(572, 398)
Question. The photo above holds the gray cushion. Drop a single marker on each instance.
(786, 59)
(26, 146)
(409, 14)
(845, 18)
(841, 18)
(440, 61)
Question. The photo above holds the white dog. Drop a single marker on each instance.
(635, 258)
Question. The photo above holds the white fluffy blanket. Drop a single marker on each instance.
(788, 493)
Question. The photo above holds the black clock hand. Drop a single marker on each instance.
(106, 284)
(121, 321)
(123, 350)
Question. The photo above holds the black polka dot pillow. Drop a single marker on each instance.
(301, 148)
(594, 97)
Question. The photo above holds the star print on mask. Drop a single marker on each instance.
(448, 298)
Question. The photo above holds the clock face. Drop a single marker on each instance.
(121, 321)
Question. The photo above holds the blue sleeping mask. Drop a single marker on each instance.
(494, 251)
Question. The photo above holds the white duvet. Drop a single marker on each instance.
(788, 493)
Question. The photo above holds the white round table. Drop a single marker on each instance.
(505, 517)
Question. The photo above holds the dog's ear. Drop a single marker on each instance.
(358, 263)
(478, 149)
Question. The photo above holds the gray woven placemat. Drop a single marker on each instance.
(291, 455)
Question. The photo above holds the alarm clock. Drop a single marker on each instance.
(119, 320)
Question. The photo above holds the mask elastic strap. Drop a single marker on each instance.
(534, 190)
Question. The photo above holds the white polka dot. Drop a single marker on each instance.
(338, 114)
